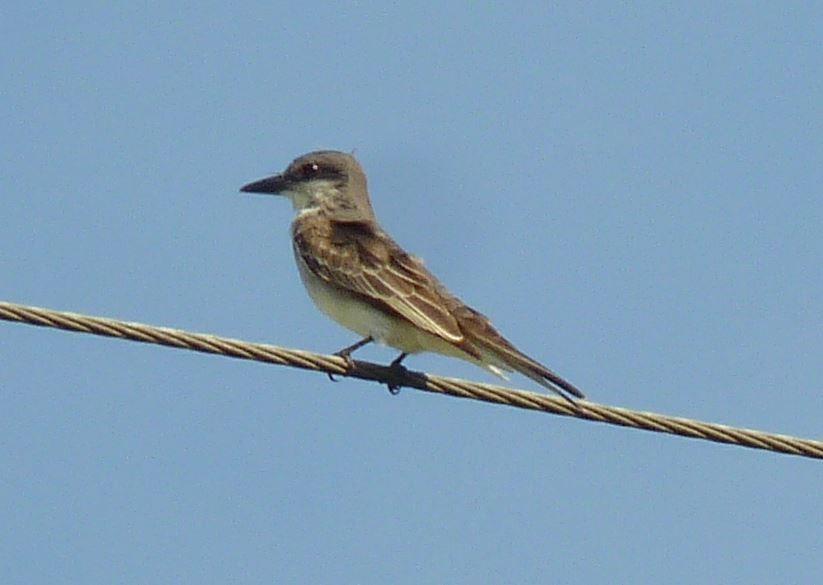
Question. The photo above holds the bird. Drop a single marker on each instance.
(360, 277)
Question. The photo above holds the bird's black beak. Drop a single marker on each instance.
(275, 184)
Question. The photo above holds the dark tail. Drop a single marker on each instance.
(509, 357)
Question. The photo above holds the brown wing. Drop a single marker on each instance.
(363, 260)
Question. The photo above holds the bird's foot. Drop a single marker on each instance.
(346, 352)
(346, 355)
(398, 373)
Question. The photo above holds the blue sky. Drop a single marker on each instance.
(632, 193)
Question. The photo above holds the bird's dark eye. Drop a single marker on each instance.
(310, 169)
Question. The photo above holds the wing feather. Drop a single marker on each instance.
(365, 261)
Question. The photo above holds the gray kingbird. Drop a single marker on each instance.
(357, 275)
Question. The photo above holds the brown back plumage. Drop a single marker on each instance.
(363, 260)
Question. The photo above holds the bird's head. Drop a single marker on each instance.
(326, 179)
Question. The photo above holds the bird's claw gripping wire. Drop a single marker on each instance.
(346, 352)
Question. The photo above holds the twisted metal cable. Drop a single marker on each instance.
(397, 377)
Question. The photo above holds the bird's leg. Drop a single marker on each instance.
(346, 352)
(399, 371)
